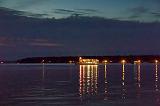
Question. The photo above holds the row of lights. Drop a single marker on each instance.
(105, 61)
(124, 61)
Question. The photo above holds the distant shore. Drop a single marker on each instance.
(75, 59)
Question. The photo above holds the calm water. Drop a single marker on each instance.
(85, 85)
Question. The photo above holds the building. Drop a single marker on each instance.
(88, 61)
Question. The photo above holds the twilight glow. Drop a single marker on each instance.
(142, 10)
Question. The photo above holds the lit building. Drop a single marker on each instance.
(88, 61)
(104, 61)
(137, 62)
(123, 61)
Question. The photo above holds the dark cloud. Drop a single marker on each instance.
(46, 44)
(63, 11)
(42, 43)
(19, 41)
(137, 12)
(76, 11)
(33, 15)
(133, 16)
(141, 12)
(21, 13)
(69, 12)
(156, 14)
(91, 11)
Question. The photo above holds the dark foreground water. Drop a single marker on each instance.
(85, 85)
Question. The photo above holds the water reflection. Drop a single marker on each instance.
(43, 73)
(156, 84)
(137, 70)
(52, 85)
(139, 75)
(43, 78)
(156, 77)
(106, 82)
(123, 82)
(88, 80)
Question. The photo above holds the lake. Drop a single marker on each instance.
(79, 85)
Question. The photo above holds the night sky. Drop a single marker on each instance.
(78, 27)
